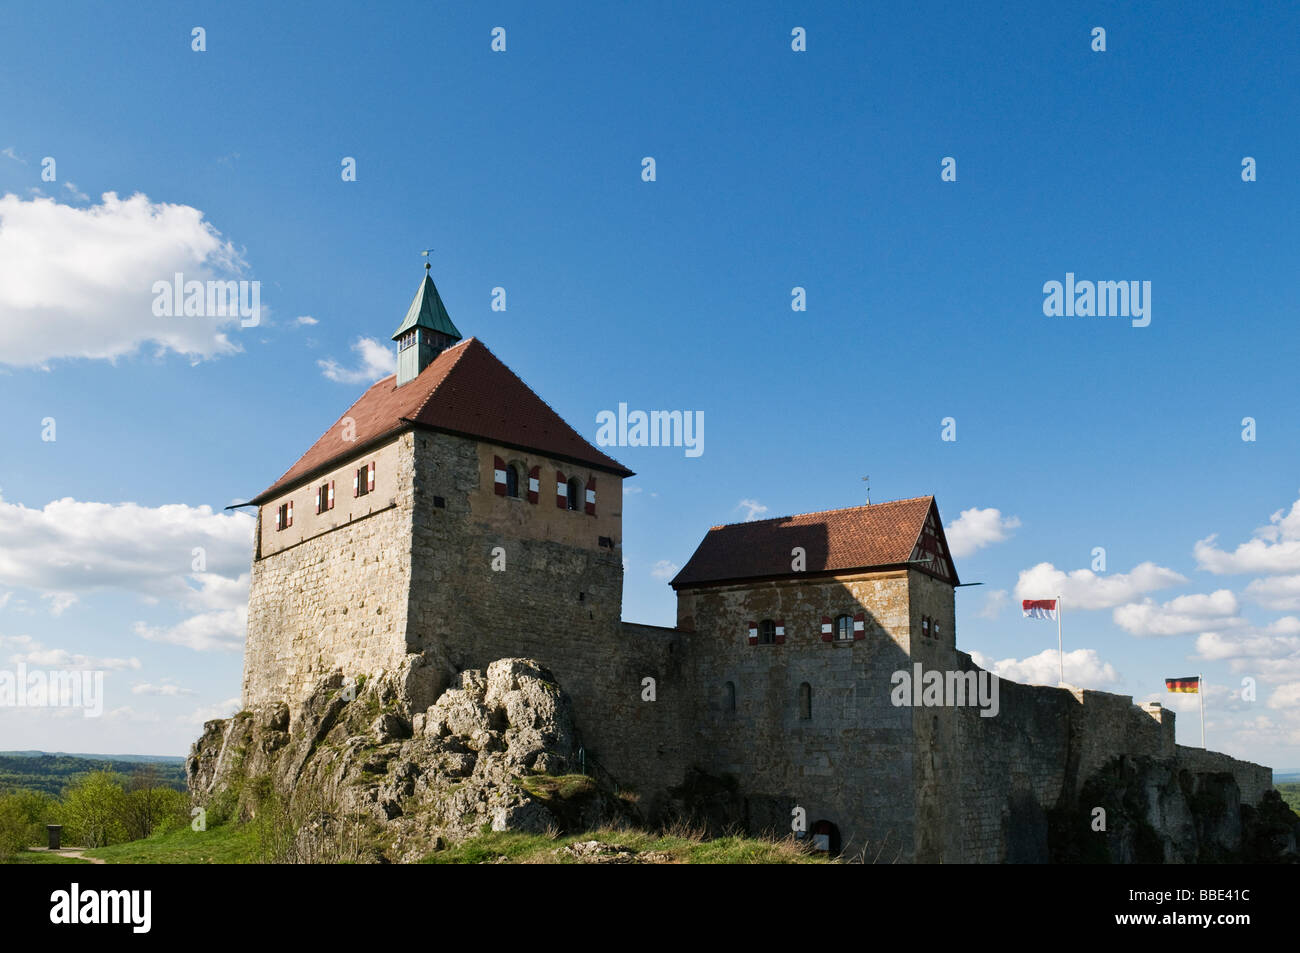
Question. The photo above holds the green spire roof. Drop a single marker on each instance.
(428, 311)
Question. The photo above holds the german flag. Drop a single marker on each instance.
(1190, 684)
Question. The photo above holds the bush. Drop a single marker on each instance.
(148, 806)
(16, 831)
(93, 809)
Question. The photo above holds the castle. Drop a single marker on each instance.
(450, 518)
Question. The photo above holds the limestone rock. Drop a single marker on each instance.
(491, 752)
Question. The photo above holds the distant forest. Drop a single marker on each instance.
(51, 773)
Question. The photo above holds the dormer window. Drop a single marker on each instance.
(406, 340)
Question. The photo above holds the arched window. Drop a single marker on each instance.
(729, 697)
(512, 481)
(575, 494)
(805, 702)
(844, 627)
(767, 632)
(925, 626)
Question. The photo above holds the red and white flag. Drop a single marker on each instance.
(1038, 608)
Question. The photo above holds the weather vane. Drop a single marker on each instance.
(425, 253)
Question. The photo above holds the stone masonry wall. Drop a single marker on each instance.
(558, 600)
(335, 600)
(851, 761)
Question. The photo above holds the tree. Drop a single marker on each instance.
(15, 828)
(93, 809)
(149, 806)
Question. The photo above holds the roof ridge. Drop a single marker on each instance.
(540, 399)
(838, 509)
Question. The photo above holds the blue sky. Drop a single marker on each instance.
(774, 169)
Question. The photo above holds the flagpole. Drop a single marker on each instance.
(1060, 650)
(1200, 690)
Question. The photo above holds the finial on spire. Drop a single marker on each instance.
(427, 265)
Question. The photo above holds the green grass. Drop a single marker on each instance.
(564, 787)
(223, 844)
(43, 857)
(687, 848)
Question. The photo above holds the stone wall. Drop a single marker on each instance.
(850, 762)
(558, 600)
(390, 470)
(1253, 780)
(336, 600)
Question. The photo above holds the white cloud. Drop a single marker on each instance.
(223, 630)
(1084, 589)
(76, 192)
(1083, 668)
(753, 509)
(975, 528)
(664, 569)
(305, 319)
(377, 361)
(72, 548)
(1285, 696)
(210, 712)
(1269, 644)
(1274, 548)
(1257, 555)
(8, 153)
(165, 688)
(37, 655)
(59, 601)
(1276, 592)
(1193, 613)
(78, 282)
(994, 603)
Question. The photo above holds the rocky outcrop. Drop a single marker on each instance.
(1157, 811)
(498, 750)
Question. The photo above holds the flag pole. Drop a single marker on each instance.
(1200, 690)
(1060, 650)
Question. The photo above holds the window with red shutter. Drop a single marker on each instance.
(499, 476)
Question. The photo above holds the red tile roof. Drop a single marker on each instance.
(465, 390)
(860, 537)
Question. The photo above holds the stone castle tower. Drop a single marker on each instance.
(450, 518)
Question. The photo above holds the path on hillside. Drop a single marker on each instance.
(68, 852)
